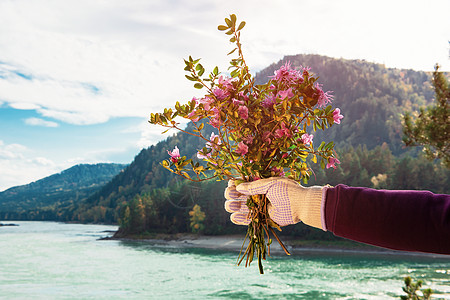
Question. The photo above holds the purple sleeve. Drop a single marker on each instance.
(401, 220)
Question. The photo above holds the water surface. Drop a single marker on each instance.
(46, 260)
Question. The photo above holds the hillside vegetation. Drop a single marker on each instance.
(63, 189)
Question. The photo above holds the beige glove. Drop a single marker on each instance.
(290, 202)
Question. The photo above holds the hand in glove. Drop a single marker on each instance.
(290, 202)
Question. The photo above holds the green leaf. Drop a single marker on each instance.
(232, 51)
(198, 85)
(190, 78)
(233, 39)
(234, 73)
(321, 146)
(241, 25)
(216, 71)
(233, 18)
(222, 27)
(229, 32)
(329, 146)
(228, 21)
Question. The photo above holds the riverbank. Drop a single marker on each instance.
(234, 243)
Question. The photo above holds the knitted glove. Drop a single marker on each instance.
(290, 202)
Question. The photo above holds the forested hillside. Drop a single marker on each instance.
(66, 188)
(371, 97)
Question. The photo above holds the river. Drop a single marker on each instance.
(47, 260)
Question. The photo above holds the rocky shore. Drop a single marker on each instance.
(1, 224)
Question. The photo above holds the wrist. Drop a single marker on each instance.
(309, 209)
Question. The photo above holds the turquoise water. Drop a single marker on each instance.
(45, 260)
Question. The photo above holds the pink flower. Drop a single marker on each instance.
(307, 139)
(287, 93)
(244, 96)
(201, 156)
(219, 93)
(213, 143)
(269, 101)
(248, 139)
(215, 120)
(206, 103)
(337, 116)
(286, 74)
(266, 137)
(174, 155)
(226, 82)
(283, 131)
(324, 98)
(243, 112)
(242, 148)
(193, 117)
(331, 162)
(237, 102)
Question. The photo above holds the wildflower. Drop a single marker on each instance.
(193, 117)
(331, 162)
(174, 155)
(213, 144)
(226, 82)
(243, 96)
(286, 74)
(237, 102)
(324, 97)
(215, 120)
(287, 93)
(243, 112)
(307, 139)
(269, 101)
(200, 155)
(283, 131)
(242, 148)
(219, 93)
(207, 101)
(337, 116)
(248, 140)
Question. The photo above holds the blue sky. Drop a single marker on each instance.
(79, 78)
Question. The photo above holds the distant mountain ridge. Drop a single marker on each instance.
(71, 185)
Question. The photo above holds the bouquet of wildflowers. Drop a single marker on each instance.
(261, 131)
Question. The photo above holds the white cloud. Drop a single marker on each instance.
(11, 151)
(86, 61)
(20, 167)
(40, 122)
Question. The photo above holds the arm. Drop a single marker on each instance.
(401, 220)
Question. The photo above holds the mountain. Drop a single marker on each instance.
(371, 97)
(70, 186)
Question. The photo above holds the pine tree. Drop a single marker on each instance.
(431, 128)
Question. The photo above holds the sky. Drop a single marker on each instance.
(79, 78)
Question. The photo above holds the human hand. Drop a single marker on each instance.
(290, 202)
